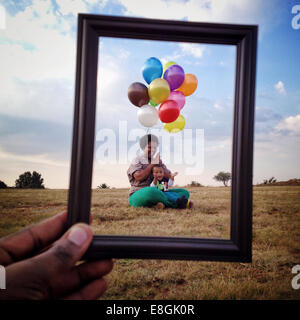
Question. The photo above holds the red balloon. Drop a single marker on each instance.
(168, 111)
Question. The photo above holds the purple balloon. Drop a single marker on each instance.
(174, 75)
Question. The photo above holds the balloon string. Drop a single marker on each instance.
(148, 130)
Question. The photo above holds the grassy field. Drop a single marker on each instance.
(276, 241)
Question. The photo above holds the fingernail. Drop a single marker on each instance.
(77, 236)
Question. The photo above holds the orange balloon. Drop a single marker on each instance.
(189, 84)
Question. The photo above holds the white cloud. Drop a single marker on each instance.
(72, 6)
(2, 17)
(49, 99)
(100, 4)
(42, 8)
(227, 11)
(39, 159)
(172, 57)
(192, 49)
(112, 75)
(37, 63)
(52, 51)
(276, 154)
(279, 86)
(124, 54)
(185, 49)
(53, 58)
(291, 124)
(218, 146)
(218, 106)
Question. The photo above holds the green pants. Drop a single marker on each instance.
(150, 196)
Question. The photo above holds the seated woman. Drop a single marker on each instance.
(140, 177)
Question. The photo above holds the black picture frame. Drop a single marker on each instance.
(244, 37)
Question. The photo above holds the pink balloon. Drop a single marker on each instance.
(178, 97)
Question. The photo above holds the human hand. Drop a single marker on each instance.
(173, 175)
(52, 273)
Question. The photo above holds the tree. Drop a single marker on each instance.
(272, 180)
(195, 184)
(103, 186)
(28, 180)
(269, 181)
(223, 177)
(2, 185)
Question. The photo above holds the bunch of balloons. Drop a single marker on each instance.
(164, 98)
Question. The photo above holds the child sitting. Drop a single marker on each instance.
(163, 184)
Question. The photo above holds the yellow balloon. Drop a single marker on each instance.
(159, 90)
(167, 65)
(175, 126)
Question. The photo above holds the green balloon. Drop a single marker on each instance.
(152, 103)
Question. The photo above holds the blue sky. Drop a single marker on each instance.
(37, 63)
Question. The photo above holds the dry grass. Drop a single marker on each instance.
(113, 215)
(276, 241)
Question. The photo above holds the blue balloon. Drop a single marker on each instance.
(152, 69)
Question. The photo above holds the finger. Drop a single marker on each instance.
(93, 269)
(52, 244)
(55, 269)
(67, 250)
(32, 239)
(82, 274)
(91, 291)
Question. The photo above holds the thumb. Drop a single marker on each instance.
(69, 249)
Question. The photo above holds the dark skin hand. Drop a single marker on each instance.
(143, 174)
(155, 181)
(41, 262)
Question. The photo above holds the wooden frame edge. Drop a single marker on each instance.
(239, 247)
